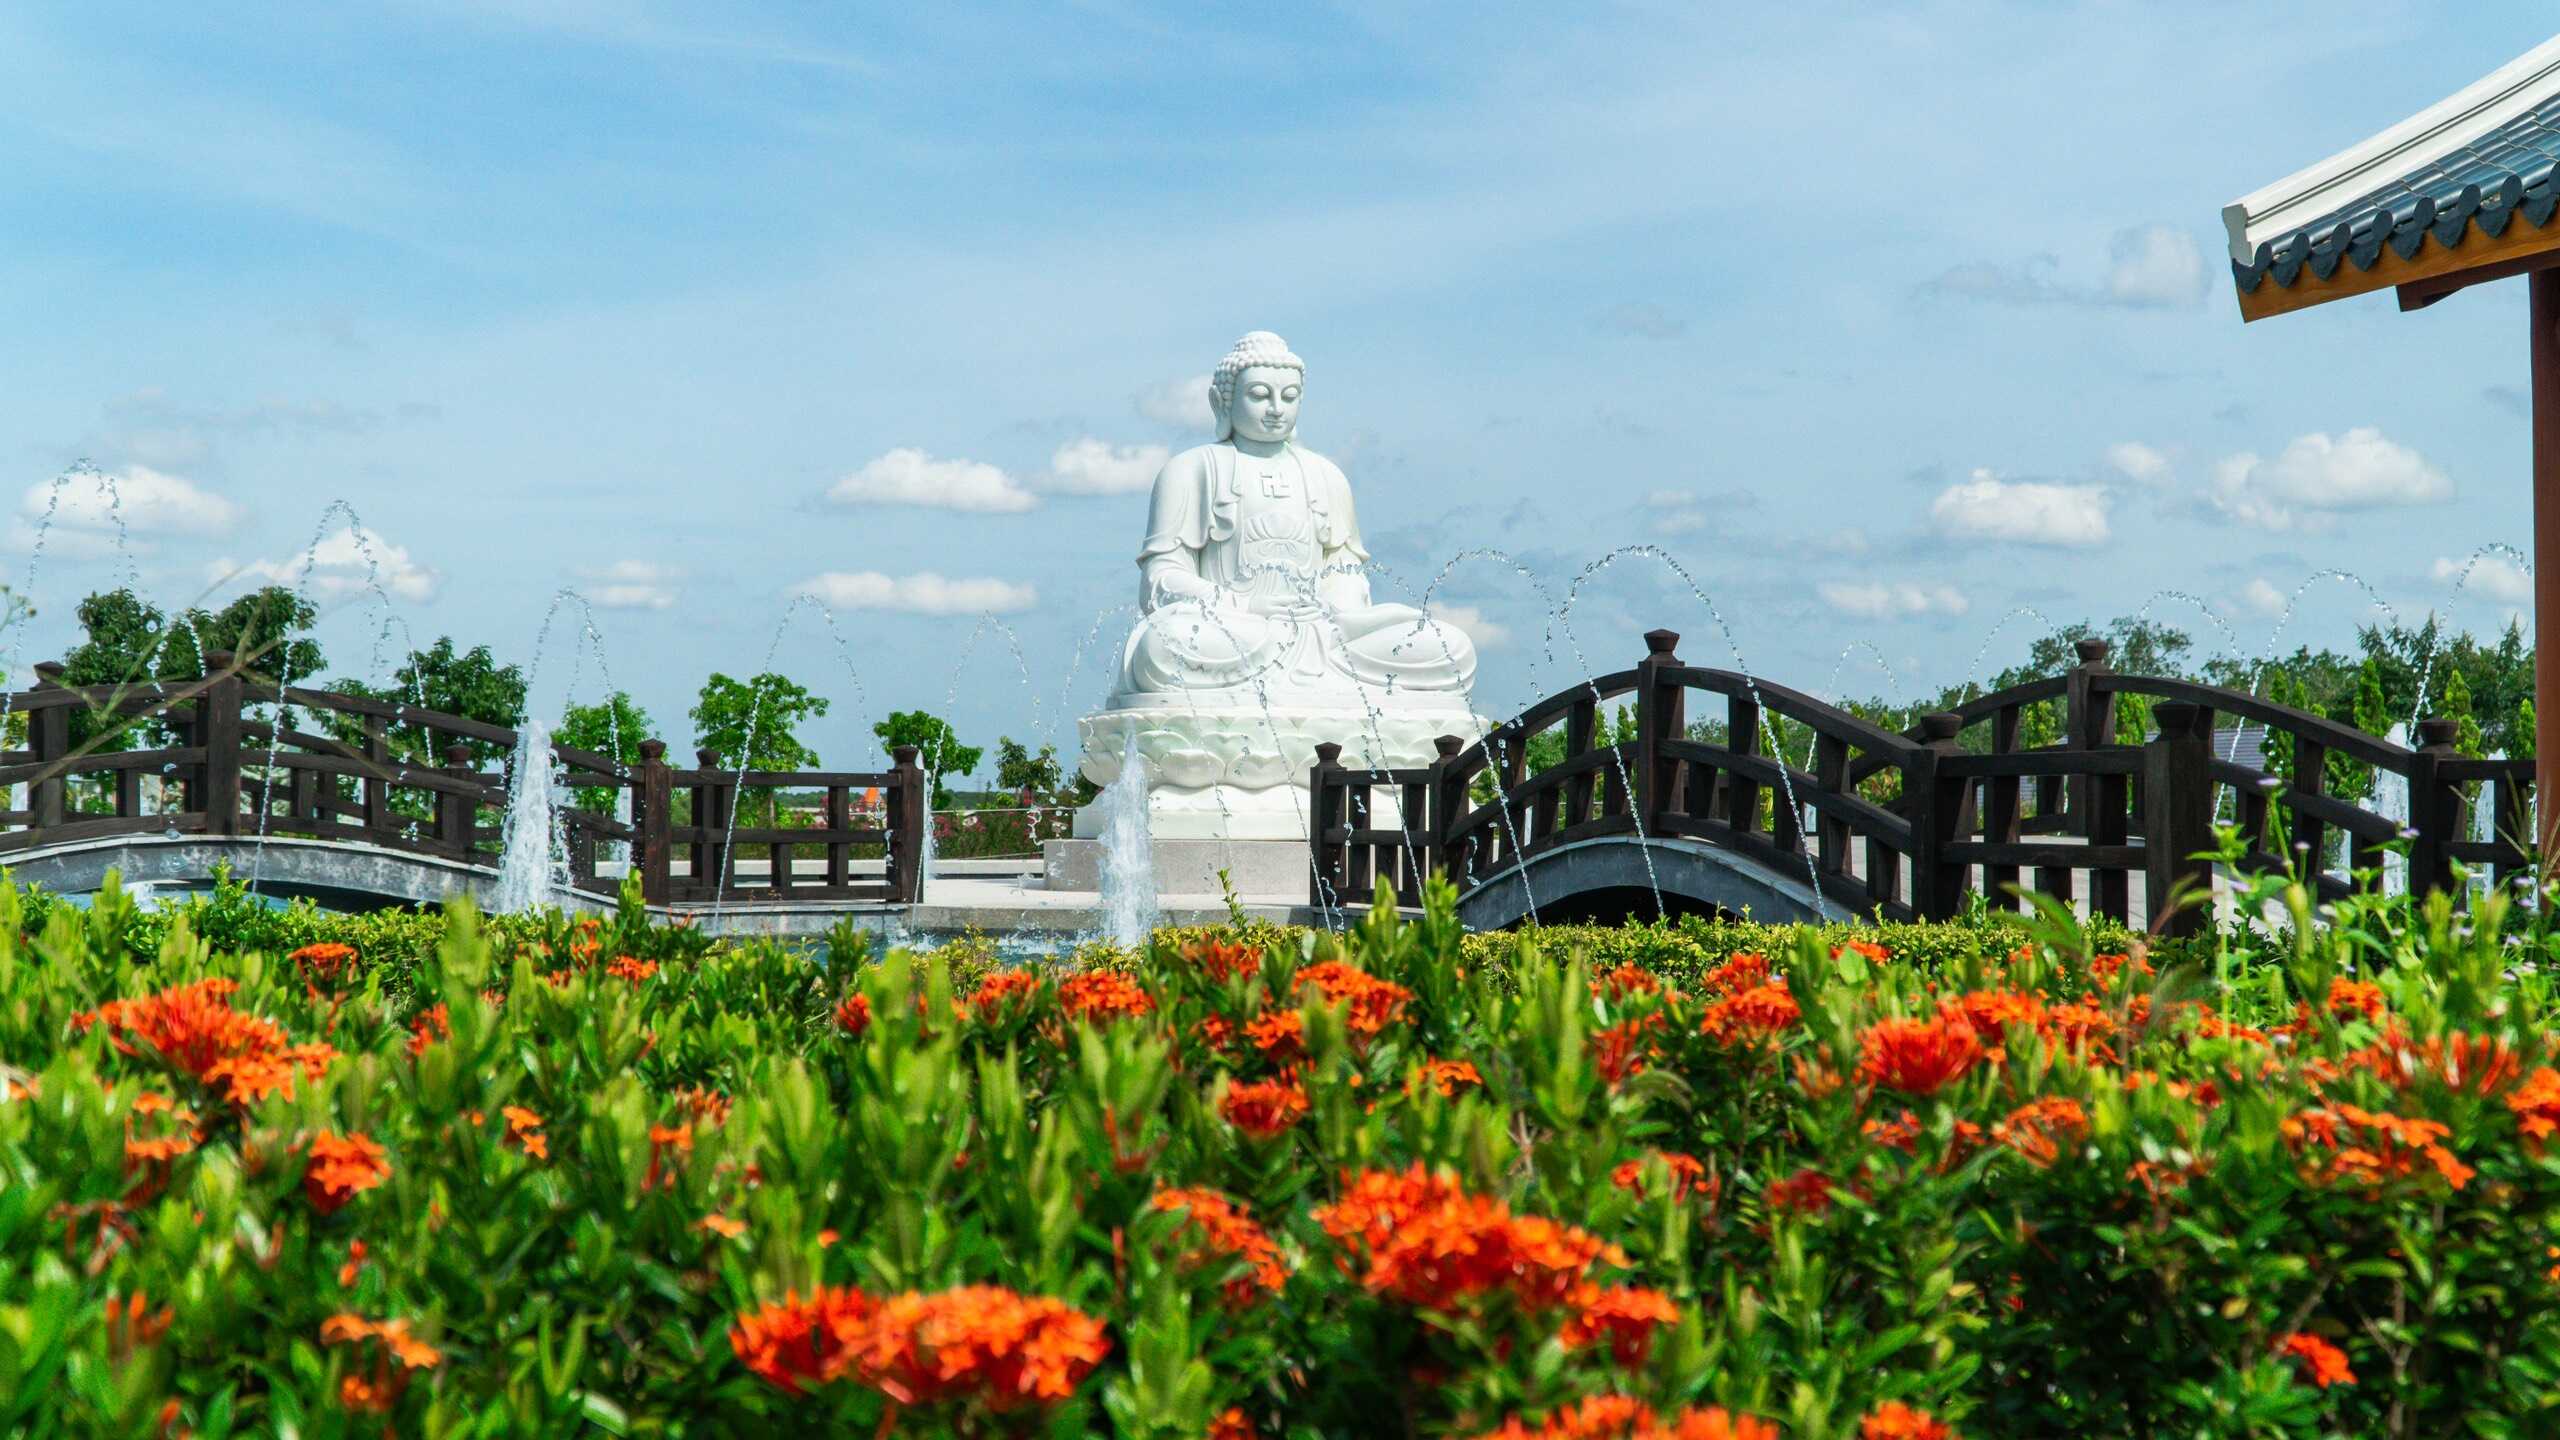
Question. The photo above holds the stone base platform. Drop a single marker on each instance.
(1260, 870)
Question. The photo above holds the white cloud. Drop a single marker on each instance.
(1875, 600)
(2136, 461)
(909, 476)
(921, 594)
(2149, 267)
(1676, 512)
(2316, 476)
(346, 563)
(630, 585)
(2262, 598)
(1086, 466)
(86, 505)
(1488, 634)
(2031, 512)
(2493, 576)
(1183, 404)
(2155, 266)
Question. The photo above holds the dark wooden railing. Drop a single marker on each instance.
(244, 766)
(1910, 824)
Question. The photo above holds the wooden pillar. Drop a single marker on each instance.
(2435, 808)
(49, 741)
(1325, 810)
(2545, 345)
(1934, 800)
(650, 813)
(457, 816)
(910, 802)
(1661, 715)
(1448, 807)
(2177, 819)
(219, 709)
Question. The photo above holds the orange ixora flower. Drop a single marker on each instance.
(1624, 1049)
(193, 1030)
(1221, 961)
(1374, 1004)
(1102, 996)
(1281, 1036)
(1451, 1076)
(2356, 998)
(2348, 1145)
(1230, 1233)
(2324, 1363)
(1687, 1174)
(624, 967)
(1866, 948)
(1894, 1420)
(979, 1341)
(1991, 1013)
(853, 1015)
(1003, 991)
(1624, 1315)
(721, 1225)
(1747, 970)
(131, 1323)
(1233, 1424)
(341, 1168)
(1627, 981)
(325, 962)
(1807, 1192)
(1419, 1238)
(795, 1345)
(666, 1141)
(1264, 1108)
(2040, 1128)
(1617, 1417)
(2536, 1104)
(703, 1105)
(1747, 1017)
(524, 1131)
(1917, 1057)
(433, 1024)
(379, 1390)
(2480, 1065)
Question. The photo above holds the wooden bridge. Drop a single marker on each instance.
(255, 762)
(1897, 824)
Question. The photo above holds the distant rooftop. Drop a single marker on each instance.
(2459, 174)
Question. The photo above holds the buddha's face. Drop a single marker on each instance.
(1266, 403)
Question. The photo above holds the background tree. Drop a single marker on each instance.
(754, 725)
(126, 641)
(938, 745)
(612, 727)
(269, 629)
(1037, 777)
(469, 683)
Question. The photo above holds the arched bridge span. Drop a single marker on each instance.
(1789, 807)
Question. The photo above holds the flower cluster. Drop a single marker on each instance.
(979, 1342)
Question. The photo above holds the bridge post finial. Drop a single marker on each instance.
(2092, 652)
(49, 672)
(653, 848)
(1660, 643)
(909, 811)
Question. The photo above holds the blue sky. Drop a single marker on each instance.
(1883, 321)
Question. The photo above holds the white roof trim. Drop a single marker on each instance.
(2306, 195)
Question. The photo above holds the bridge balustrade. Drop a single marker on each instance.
(253, 758)
(1916, 823)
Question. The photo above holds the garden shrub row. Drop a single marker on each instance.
(296, 1174)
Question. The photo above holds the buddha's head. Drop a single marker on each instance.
(1254, 391)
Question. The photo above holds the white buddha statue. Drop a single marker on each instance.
(1259, 638)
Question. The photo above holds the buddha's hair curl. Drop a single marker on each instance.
(1258, 347)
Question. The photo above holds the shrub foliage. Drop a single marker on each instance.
(535, 1176)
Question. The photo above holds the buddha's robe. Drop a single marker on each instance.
(1225, 528)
